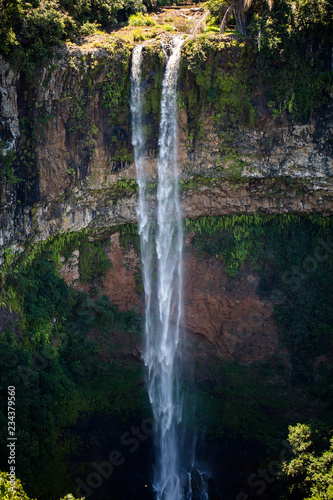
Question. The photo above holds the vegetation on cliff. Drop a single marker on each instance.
(49, 346)
(216, 86)
(52, 350)
(293, 42)
(63, 377)
(281, 69)
(294, 257)
(37, 26)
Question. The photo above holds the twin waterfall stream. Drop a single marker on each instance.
(161, 240)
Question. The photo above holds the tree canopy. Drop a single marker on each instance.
(308, 475)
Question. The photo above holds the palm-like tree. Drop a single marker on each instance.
(238, 8)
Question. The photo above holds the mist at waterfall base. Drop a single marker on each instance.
(161, 241)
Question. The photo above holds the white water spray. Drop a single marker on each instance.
(164, 298)
(162, 345)
(143, 210)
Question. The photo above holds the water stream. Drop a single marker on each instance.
(161, 240)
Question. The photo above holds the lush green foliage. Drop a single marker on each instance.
(45, 301)
(31, 30)
(129, 235)
(93, 261)
(6, 490)
(140, 20)
(7, 171)
(293, 40)
(308, 475)
(49, 353)
(7, 493)
(294, 43)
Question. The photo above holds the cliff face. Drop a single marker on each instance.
(67, 138)
(227, 312)
(67, 166)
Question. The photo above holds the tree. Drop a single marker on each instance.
(309, 474)
(239, 8)
(7, 493)
(6, 490)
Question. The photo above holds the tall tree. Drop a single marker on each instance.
(238, 8)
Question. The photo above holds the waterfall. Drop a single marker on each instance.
(162, 344)
(164, 298)
(161, 241)
(143, 210)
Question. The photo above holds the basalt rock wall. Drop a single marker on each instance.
(68, 161)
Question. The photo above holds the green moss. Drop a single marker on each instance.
(152, 75)
(216, 78)
(93, 261)
(115, 89)
(125, 185)
(123, 156)
(196, 182)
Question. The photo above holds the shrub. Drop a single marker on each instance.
(93, 261)
(89, 28)
(308, 474)
(30, 31)
(6, 492)
(140, 20)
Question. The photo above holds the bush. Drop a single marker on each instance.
(6, 492)
(30, 31)
(89, 28)
(140, 20)
(308, 474)
(93, 261)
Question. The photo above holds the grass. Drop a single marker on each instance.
(141, 20)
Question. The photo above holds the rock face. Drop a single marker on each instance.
(9, 112)
(225, 311)
(119, 283)
(67, 136)
(228, 312)
(71, 133)
(70, 269)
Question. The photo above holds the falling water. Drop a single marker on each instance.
(162, 344)
(143, 210)
(164, 297)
